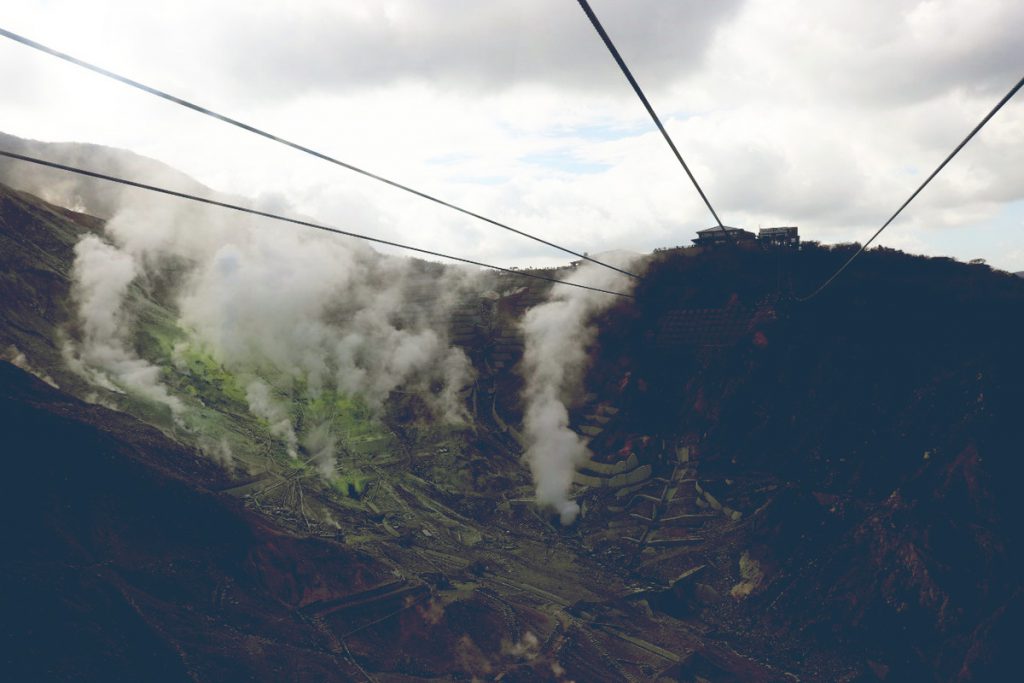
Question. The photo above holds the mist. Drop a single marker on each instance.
(102, 275)
(558, 335)
(13, 355)
(295, 315)
(289, 314)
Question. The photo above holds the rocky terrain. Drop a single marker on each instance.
(778, 490)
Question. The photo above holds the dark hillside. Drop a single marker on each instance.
(118, 567)
(883, 416)
(36, 251)
(825, 488)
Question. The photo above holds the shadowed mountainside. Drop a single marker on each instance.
(875, 430)
(863, 446)
(120, 566)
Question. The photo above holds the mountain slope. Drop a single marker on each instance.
(121, 566)
(825, 488)
(36, 251)
(435, 564)
(873, 431)
(94, 197)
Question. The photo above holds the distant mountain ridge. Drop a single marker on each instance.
(95, 197)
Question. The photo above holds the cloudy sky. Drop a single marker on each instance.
(822, 114)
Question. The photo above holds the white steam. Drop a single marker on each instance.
(558, 335)
(324, 312)
(218, 450)
(15, 357)
(263, 404)
(322, 445)
(102, 275)
(289, 313)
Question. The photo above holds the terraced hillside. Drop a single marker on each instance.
(769, 496)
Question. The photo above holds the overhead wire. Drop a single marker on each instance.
(963, 143)
(297, 221)
(650, 109)
(625, 70)
(294, 145)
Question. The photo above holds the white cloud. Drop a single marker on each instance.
(826, 115)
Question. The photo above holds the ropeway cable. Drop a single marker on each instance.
(650, 110)
(294, 145)
(999, 105)
(297, 221)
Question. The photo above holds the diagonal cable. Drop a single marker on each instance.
(294, 145)
(296, 221)
(963, 143)
(650, 110)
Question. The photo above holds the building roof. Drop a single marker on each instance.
(712, 230)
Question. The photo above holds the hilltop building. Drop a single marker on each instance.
(785, 236)
(710, 237)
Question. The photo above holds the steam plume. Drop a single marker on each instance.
(558, 334)
(287, 313)
(262, 404)
(102, 275)
(13, 355)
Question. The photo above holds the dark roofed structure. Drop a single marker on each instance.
(722, 235)
(784, 236)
